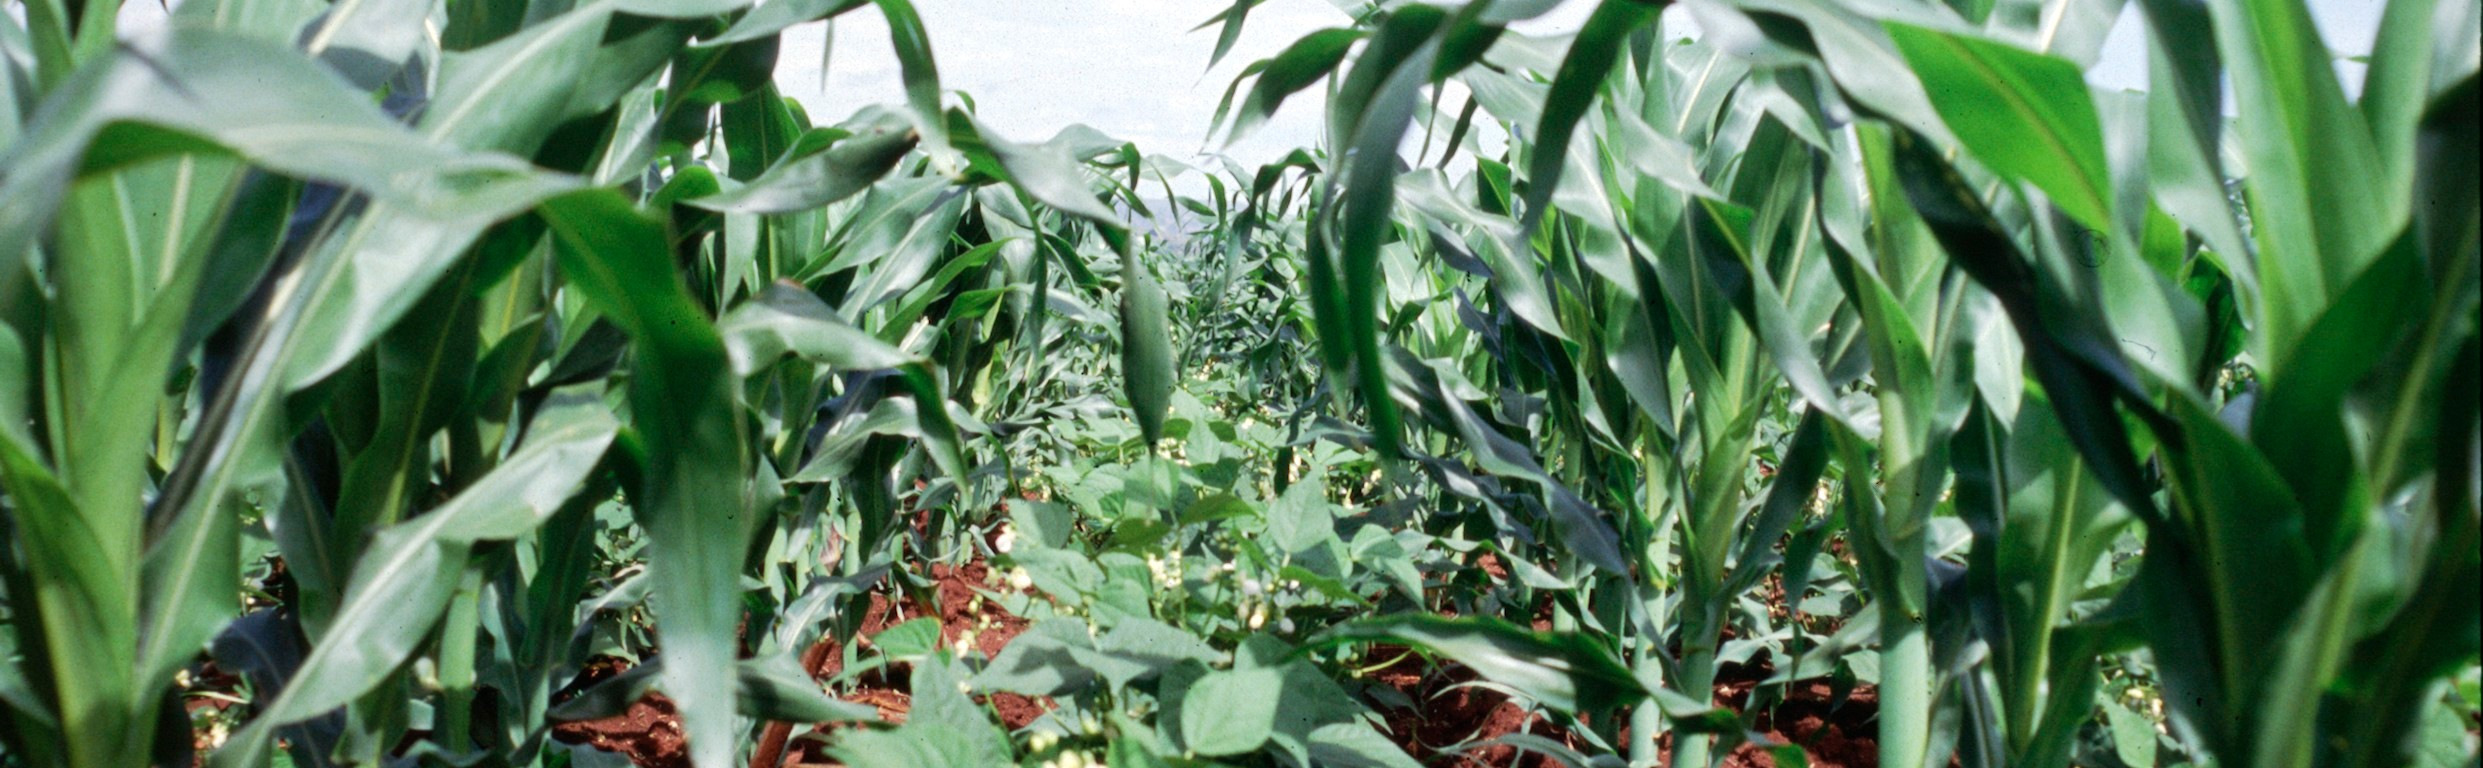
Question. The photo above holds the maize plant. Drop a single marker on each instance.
(1839, 382)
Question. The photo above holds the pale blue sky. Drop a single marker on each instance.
(2348, 26)
(1133, 68)
(1130, 68)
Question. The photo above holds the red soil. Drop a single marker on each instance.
(1446, 714)
(649, 733)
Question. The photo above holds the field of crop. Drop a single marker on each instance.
(500, 383)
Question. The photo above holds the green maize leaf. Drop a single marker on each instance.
(1854, 47)
(2070, 356)
(757, 130)
(422, 371)
(1582, 527)
(2429, 636)
(2185, 123)
(125, 262)
(367, 41)
(776, 688)
(1299, 65)
(770, 688)
(1804, 462)
(2322, 208)
(683, 9)
(921, 74)
(785, 319)
(871, 144)
(1392, 71)
(235, 94)
(938, 287)
(509, 95)
(359, 282)
(2298, 423)
(2244, 528)
(187, 600)
(1049, 173)
(2071, 29)
(1515, 280)
(681, 400)
(403, 581)
(2024, 114)
(1146, 352)
(771, 18)
(1232, 19)
(900, 251)
(1742, 278)
(1533, 744)
(81, 621)
(1581, 75)
(1564, 671)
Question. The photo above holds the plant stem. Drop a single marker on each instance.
(457, 634)
(1646, 720)
(1698, 679)
(1905, 664)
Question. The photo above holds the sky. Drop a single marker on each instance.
(1134, 69)
(2347, 26)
